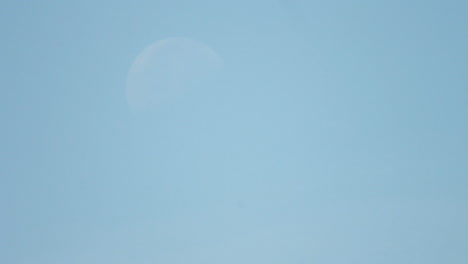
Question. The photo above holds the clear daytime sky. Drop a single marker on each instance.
(335, 132)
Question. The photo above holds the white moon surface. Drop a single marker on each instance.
(167, 68)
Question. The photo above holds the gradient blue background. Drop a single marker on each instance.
(335, 133)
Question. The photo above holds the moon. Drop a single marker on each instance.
(166, 69)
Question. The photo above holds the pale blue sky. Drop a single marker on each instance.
(336, 132)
